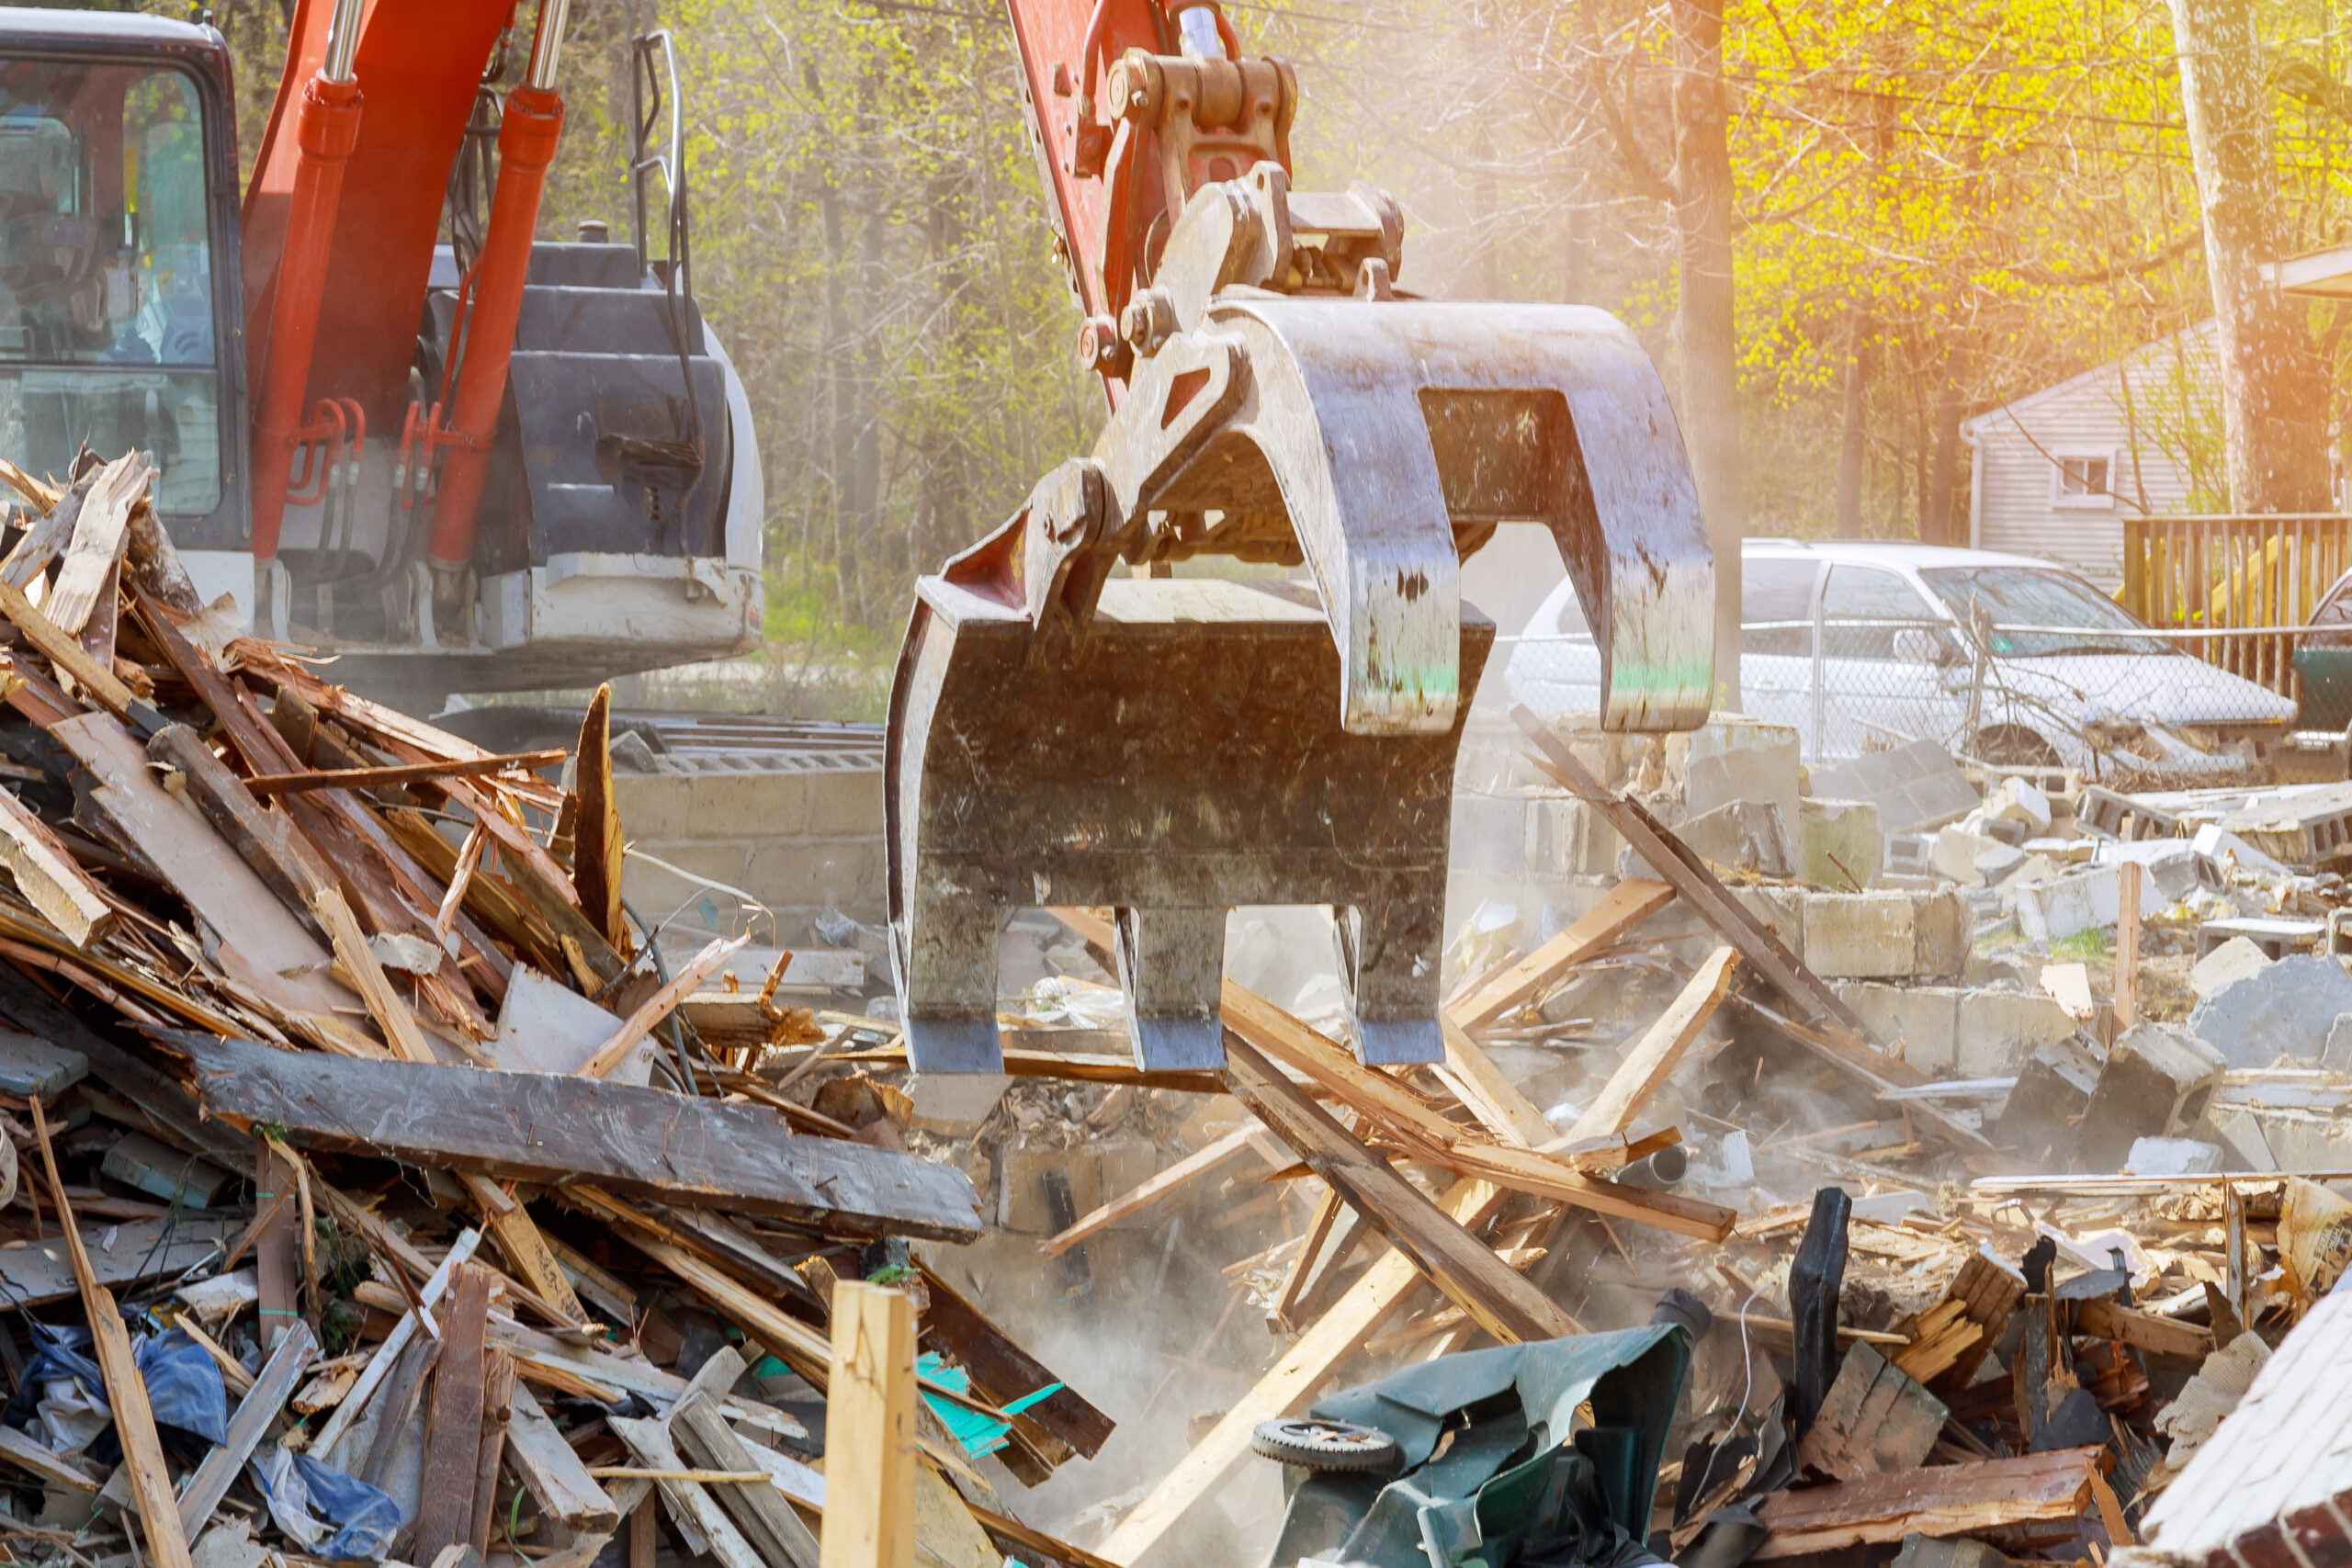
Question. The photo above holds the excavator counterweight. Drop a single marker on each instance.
(1065, 732)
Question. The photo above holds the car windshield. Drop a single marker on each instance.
(106, 279)
(2035, 613)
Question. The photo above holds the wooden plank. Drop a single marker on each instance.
(658, 1386)
(47, 874)
(41, 1271)
(870, 1431)
(61, 651)
(380, 1366)
(267, 841)
(398, 1403)
(1003, 1372)
(551, 1472)
(518, 1237)
(548, 1128)
(1622, 908)
(1522, 1170)
(1672, 860)
(1471, 1277)
(27, 1454)
(295, 1350)
(2127, 945)
(2104, 1319)
(1136, 1199)
(497, 1405)
(1660, 1050)
(702, 1525)
(659, 1006)
(445, 1509)
(1492, 1098)
(268, 942)
(1294, 1379)
(1874, 1421)
(597, 841)
(100, 534)
(360, 967)
(758, 1509)
(134, 1417)
(266, 784)
(1940, 1501)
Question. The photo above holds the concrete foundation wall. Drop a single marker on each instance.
(797, 834)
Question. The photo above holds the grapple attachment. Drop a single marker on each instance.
(1174, 747)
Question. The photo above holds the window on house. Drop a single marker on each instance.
(2083, 478)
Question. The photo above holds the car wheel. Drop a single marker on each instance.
(2014, 746)
(1325, 1445)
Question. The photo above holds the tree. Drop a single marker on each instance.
(2273, 390)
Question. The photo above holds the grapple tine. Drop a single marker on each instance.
(1172, 965)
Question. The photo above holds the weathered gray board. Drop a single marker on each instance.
(547, 1128)
(34, 1272)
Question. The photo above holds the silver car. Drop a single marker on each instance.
(2003, 659)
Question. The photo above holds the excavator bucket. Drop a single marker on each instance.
(1064, 733)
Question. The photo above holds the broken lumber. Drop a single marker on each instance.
(134, 1417)
(265, 784)
(870, 1431)
(444, 1513)
(657, 1007)
(550, 1128)
(49, 876)
(1943, 1500)
(1874, 1421)
(2105, 1319)
(296, 1349)
(1622, 908)
(1135, 1200)
(758, 1509)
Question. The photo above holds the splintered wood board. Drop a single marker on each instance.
(1942, 1500)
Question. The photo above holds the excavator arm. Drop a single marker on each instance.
(1172, 746)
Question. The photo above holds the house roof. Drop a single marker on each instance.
(1978, 424)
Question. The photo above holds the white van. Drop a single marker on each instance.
(1859, 644)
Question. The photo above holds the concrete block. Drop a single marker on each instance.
(2157, 1081)
(2053, 1090)
(1742, 836)
(1782, 909)
(1999, 864)
(655, 805)
(649, 887)
(1914, 786)
(2236, 960)
(1568, 838)
(1995, 1032)
(953, 1105)
(1491, 833)
(2014, 800)
(2172, 1157)
(2080, 901)
(1089, 1175)
(1863, 936)
(750, 804)
(1941, 926)
(2287, 1010)
(2173, 865)
(845, 804)
(1956, 852)
(1839, 843)
(1893, 934)
(1909, 854)
(1920, 1021)
(1732, 757)
(844, 872)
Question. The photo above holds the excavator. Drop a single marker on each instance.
(1064, 732)
(484, 462)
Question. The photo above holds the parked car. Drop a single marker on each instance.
(2324, 661)
(1854, 644)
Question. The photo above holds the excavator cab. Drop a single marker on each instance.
(1072, 724)
(390, 422)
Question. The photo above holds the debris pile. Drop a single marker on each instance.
(375, 1188)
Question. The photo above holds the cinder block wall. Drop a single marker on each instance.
(799, 832)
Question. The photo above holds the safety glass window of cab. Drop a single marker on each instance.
(106, 331)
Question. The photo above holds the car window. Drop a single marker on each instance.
(1778, 591)
(2038, 612)
(2332, 622)
(1569, 621)
(1865, 612)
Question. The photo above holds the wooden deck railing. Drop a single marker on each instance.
(2216, 573)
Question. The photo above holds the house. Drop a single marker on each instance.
(2055, 473)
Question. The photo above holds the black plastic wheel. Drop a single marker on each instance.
(1325, 1445)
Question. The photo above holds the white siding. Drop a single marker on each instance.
(2171, 402)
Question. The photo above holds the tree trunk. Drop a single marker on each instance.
(1706, 348)
(2273, 390)
(1944, 523)
(1853, 446)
